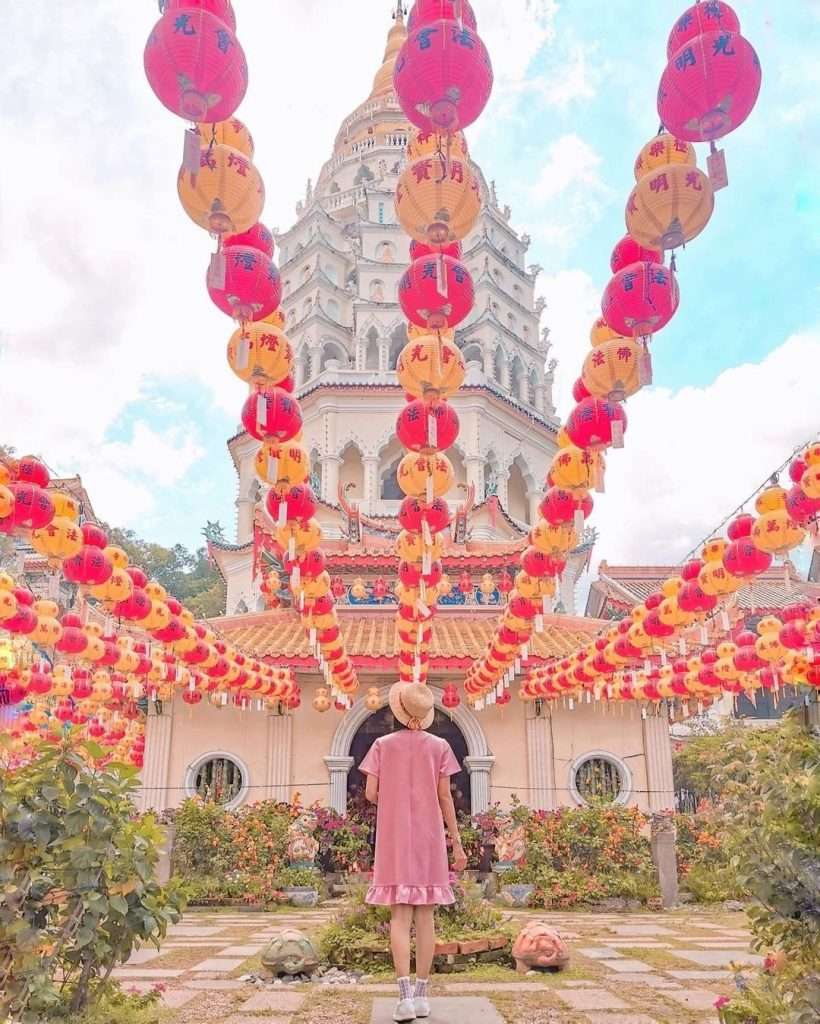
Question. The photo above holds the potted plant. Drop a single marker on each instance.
(518, 886)
(301, 886)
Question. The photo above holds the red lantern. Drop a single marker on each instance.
(580, 391)
(692, 598)
(32, 471)
(655, 628)
(136, 608)
(419, 249)
(410, 574)
(195, 65)
(450, 699)
(746, 657)
(628, 251)
(252, 288)
(522, 608)
(93, 536)
(425, 11)
(797, 467)
(741, 526)
(443, 76)
(269, 413)
(427, 427)
(465, 583)
(74, 639)
(221, 9)
(380, 587)
(539, 564)
(741, 558)
(559, 506)
(89, 567)
(713, 16)
(311, 565)
(436, 292)
(801, 508)
(640, 299)
(414, 512)
(691, 570)
(709, 87)
(33, 506)
(257, 237)
(596, 423)
(192, 697)
(298, 504)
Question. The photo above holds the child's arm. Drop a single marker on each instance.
(371, 789)
(448, 809)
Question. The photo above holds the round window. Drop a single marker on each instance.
(600, 778)
(218, 779)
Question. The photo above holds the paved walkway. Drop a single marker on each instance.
(625, 969)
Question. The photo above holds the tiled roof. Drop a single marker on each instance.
(458, 636)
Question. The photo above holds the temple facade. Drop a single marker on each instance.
(340, 264)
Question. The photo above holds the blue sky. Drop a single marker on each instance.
(111, 319)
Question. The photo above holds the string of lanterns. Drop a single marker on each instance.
(443, 79)
(707, 90)
(196, 67)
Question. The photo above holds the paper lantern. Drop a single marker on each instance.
(613, 370)
(420, 249)
(430, 368)
(61, 539)
(297, 504)
(258, 237)
(411, 547)
(226, 195)
(560, 506)
(427, 427)
(662, 151)
(414, 512)
(436, 292)
(33, 506)
(810, 481)
(669, 206)
(709, 86)
(443, 76)
(450, 699)
(270, 414)
(629, 251)
(250, 288)
(231, 133)
(282, 465)
(553, 540)
(446, 145)
(299, 536)
(195, 65)
(713, 16)
(801, 508)
(260, 350)
(776, 533)
(423, 12)
(88, 567)
(596, 423)
(640, 299)
(425, 476)
(438, 200)
(576, 468)
(600, 333)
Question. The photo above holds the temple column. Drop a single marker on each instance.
(487, 357)
(534, 500)
(540, 401)
(480, 767)
(155, 771)
(371, 482)
(540, 764)
(330, 477)
(384, 355)
(474, 465)
(280, 748)
(506, 372)
(657, 749)
(338, 769)
(503, 482)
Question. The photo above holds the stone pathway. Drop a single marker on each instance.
(625, 969)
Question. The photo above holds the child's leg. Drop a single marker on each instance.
(400, 921)
(425, 945)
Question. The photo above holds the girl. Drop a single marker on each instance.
(408, 776)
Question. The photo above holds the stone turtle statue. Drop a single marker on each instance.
(539, 945)
(290, 952)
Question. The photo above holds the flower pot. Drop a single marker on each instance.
(301, 896)
(518, 894)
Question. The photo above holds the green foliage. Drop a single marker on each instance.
(299, 878)
(469, 917)
(111, 1005)
(771, 802)
(697, 764)
(705, 851)
(77, 882)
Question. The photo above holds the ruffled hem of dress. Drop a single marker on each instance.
(414, 895)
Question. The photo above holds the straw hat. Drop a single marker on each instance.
(412, 704)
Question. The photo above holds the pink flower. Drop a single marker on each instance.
(160, 986)
(722, 1001)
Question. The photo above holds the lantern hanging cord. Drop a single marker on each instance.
(770, 479)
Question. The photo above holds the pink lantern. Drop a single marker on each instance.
(709, 87)
(596, 423)
(257, 237)
(271, 414)
(640, 299)
(419, 249)
(252, 288)
(436, 292)
(629, 251)
(713, 16)
(195, 65)
(425, 11)
(221, 9)
(443, 76)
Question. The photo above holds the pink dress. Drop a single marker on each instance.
(411, 849)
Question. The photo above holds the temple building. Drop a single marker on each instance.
(340, 264)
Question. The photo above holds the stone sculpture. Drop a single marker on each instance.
(539, 945)
(290, 952)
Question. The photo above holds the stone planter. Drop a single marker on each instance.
(301, 896)
(518, 894)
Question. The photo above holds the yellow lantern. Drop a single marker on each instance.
(422, 143)
(810, 481)
(117, 557)
(227, 133)
(662, 151)
(260, 351)
(574, 468)
(282, 465)
(61, 539)
(410, 547)
(774, 530)
(158, 618)
(671, 614)
(6, 501)
(277, 318)
(321, 701)
(298, 538)
(225, 195)
(65, 506)
(555, 540)
(438, 200)
(601, 333)
(425, 476)
(430, 367)
(317, 587)
(156, 591)
(613, 369)
(8, 605)
(373, 700)
(118, 587)
(638, 636)
(48, 630)
(414, 331)
(769, 647)
(669, 206)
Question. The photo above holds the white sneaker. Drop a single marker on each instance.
(405, 1010)
(422, 1006)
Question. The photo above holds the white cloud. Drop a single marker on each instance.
(569, 191)
(573, 304)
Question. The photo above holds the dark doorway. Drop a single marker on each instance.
(382, 722)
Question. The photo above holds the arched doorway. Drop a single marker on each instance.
(382, 722)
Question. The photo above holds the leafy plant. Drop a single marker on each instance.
(77, 882)
(299, 878)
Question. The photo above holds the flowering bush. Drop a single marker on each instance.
(344, 842)
(705, 852)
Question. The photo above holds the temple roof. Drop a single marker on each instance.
(383, 81)
(369, 635)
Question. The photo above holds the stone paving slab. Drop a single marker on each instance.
(619, 1018)
(215, 985)
(650, 980)
(598, 952)
(243, 951)
(496, 986)
(377, 986)
(217, 965)
(639, 944)
(646, 930)
(181, 931)
(591, 999)
(176, 998)
(701, 975)
(719, 957)
(157, 973)
(463, 1010)
(240, 1018)
(279, 1001)
(694, 998)
(143, 956)
(626, 965)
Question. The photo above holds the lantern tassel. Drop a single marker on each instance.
(441, 276)
(578, 522)
(216, 271)
(539, 623)
(243, 351)
(716, 168)
(432, 429)
(261, 411)
(191, 152)
(428, 487)
(272, 469)
(291, 547)
(426, 533)
(617, 434)
(644, 364)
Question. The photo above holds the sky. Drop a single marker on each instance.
(112, 357)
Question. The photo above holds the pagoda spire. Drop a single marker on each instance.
(399, 13)
(383, 82)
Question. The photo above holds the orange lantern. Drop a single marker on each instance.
(225, 196)
(601, 332)
(260, 351)
(423, 143)
(430, 367)
(231, 133)
(438, 200)
(662, 151)
(612, 370)
(669, 206)
(425, 476)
